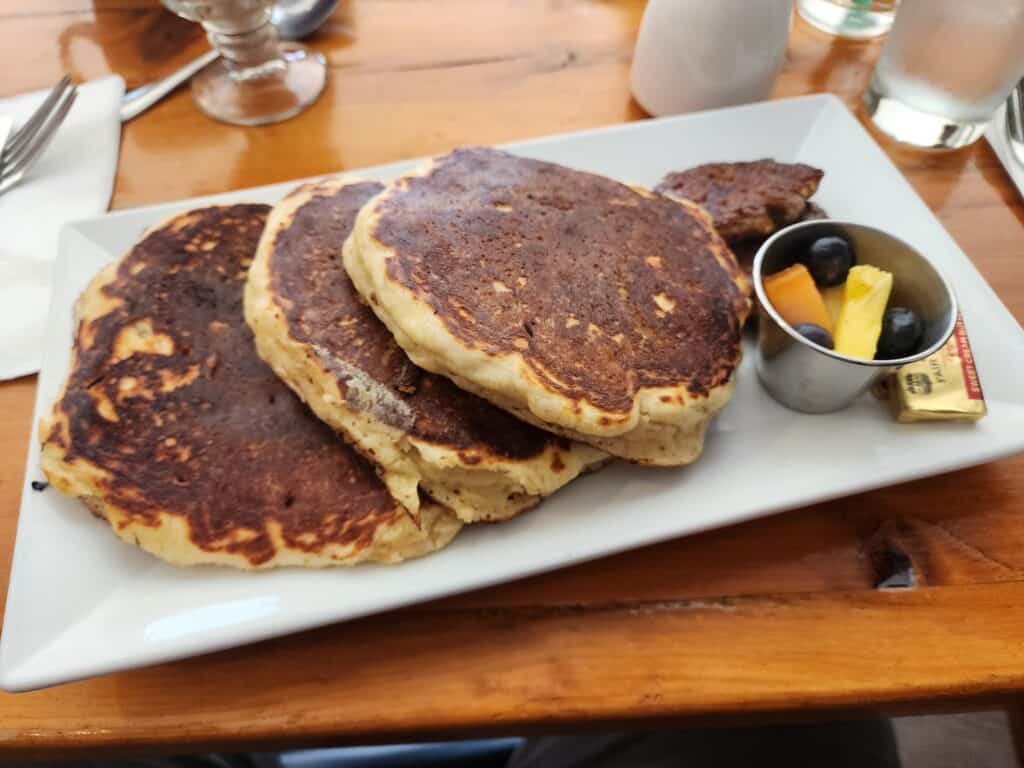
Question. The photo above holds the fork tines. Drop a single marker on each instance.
(27, 144)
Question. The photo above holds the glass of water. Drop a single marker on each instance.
(257, 78)
(849, 18)
(945, 68)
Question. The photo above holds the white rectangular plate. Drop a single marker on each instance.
(83, 603)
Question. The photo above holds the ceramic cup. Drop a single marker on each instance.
(694, 54)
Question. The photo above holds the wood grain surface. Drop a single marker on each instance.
(778, 617)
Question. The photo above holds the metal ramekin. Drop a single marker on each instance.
(810, 378)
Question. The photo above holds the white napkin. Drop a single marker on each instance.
(72, 180)
(996, 135)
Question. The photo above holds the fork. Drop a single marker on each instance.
(28, 143)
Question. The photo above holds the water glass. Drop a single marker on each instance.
(946, 66)
(257, 78)
(849, 18)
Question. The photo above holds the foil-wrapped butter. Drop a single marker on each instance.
(942, 386)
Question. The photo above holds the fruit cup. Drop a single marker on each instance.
(807, 377)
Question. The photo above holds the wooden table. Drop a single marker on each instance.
(776, 617)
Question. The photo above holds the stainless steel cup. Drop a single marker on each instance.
(810, 378)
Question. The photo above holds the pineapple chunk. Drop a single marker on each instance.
(794, 295)
(833, 297)
(860, 319)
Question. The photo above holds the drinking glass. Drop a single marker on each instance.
(257, 79)
(945, 68)
(849, 18)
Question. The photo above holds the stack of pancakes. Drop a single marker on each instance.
(478, 333)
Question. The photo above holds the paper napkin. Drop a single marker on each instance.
(72, 180)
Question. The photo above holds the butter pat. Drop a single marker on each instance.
(860, 319)
(942, 386)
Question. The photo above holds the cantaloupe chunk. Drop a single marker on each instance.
(860, 320)
(794, 295)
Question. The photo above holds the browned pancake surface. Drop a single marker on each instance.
(323, 308)
(602, 290)
(202, 428)
(746, 199)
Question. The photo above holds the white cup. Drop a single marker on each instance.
(701, 54)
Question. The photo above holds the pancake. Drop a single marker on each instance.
(746, 200)
(421, 430)
(172, 429)
(602, 312)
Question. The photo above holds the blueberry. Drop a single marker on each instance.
(901, 333)
(829, 259)
(815, 333)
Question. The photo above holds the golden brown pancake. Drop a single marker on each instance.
(599, 311)
(421, 430)
(746, 199)
(172, 429)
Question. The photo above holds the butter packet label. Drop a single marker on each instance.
(942, 386)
